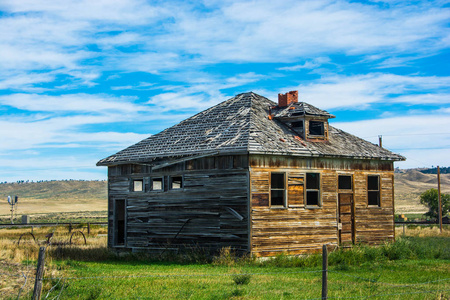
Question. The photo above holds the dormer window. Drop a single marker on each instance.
(316, 128)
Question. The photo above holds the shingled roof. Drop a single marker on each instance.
(241, 125)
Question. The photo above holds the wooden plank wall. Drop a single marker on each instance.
(374, 225)
(298, 229)
(200, 214)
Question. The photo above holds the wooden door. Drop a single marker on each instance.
(346, 219)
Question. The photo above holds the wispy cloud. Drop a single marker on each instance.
(423, 138)
(359, 91)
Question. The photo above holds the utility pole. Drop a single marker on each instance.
(439, 197)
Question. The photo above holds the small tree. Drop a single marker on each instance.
(430, 199)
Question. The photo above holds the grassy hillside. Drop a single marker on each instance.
(409, 186)
(55, 196)
(90, 196)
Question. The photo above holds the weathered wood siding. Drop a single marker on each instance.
(373, 224)
(202, 213)
(298, 229)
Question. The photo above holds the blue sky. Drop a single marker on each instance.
(80, 80)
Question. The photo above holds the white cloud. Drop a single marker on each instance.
(42, 35)
(71, 102)
(359, 91)
(423, 139)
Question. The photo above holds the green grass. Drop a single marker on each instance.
(175, 281)
(410, 268)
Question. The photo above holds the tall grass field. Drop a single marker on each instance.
(415, 266)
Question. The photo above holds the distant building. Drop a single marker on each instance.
(260, 177)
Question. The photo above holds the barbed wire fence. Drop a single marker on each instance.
(60, 282)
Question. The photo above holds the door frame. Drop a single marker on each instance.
(346, 191)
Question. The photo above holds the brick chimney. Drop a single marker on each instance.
(288, 98)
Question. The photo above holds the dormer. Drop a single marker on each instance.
(309, 122)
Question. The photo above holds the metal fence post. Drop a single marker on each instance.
(39, 274)
(324, 272)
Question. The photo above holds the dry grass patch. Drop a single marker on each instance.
(18, 262)
(422, 231)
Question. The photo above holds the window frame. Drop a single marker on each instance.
(152, 186)
(318, 190)
(351, 182)
(316, 135)
(377, 191)
(284, 189)
(171, 188)
(133, 185)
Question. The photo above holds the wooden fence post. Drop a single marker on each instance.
(39, 274)
(439, 198)
(70, 227)
(324, 272)
(89, 228)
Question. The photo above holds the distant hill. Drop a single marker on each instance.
(410, 184)
(442, 170)
(55, 196)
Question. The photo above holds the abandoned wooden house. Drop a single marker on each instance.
(254, 175)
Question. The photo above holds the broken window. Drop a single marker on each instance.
(312, 189)
(316, 128)
(176, 182)
(373, 190)
(345, 182)
(138, 185)
(277, 189)
(157, 184)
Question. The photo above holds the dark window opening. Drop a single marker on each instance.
(138, 185)
(312, 189)
(277, 189)
(297, 125)
(345, 182)
(312, 181)
(373, 190)
(119, 224)
(312, 198)
(157, 184)
(176, 182)
(316, 128)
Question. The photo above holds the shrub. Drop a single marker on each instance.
(226, 257)
(241, 279)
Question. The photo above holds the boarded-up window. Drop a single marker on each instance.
(277, 189)
(176, 182)
(345, 182)
(312, 189)
(316, 128)
(138, 185)
(373, 190)
(296, 189)
(157, 184)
